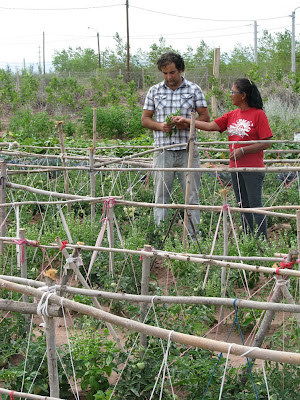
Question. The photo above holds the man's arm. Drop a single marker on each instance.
(150, 123)
(203, 114)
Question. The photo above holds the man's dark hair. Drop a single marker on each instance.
(253, 96)
(170, 57)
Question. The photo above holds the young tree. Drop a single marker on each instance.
(78, 60)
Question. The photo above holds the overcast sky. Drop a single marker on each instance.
(182, 23)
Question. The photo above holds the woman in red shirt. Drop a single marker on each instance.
(247, 122)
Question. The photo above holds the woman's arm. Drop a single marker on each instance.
(203, 125)
(238, 153)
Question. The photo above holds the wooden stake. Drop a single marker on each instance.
(110, 233)
(188, 177)
(225, 250)
(145, 291)
(63, 159)
(216, 71)
(64, 222)
(92, 182)
(2, 201)
(94, 127)
(51, 348)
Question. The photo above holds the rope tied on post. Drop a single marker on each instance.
(108, 203)
(42, 308)
(21, 243)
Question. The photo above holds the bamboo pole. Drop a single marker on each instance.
(92, 182)
(175, 256)
(23, 259)
(216, 72)
(64, 222)
(27, 308)
(188, 178)
(3, 200)
(13, 393)
(63, 159)
(148, 167)
(110, 232)
(225, 249)
(30, 308)
(150, 205)
(298, 229)
(94, 127)
(144, 292)
(177, 337)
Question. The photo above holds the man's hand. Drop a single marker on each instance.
(166, 127)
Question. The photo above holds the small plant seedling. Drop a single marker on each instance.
(168, 121)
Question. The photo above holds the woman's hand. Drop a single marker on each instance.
(180, 122)
(236, 154)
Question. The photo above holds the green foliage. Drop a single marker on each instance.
(8, 94)
(63, 92)
(78, 60)
(25, 124)
(93, 366)
(114, 121)
(29, 87)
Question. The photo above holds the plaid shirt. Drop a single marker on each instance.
(163, 101)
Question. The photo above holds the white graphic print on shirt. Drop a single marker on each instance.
(240, 128)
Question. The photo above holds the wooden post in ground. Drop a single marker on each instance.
(144, 291)
(225, 250)
(63, 159)
(51, 343)
(64, 222)
(3, 201)
(110, 233)
(94, 127)
(216, 72)
(298, 229)
(188, 177)
(23, 259)
(92, 181)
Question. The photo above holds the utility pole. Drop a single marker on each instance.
(128, 47)
(293, 42)
(98, 43)
(99, 57)
(44, 67)
(255, 42)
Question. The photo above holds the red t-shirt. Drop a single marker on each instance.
(251, 124)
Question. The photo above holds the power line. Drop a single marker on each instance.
(59, 9)
(205, 19)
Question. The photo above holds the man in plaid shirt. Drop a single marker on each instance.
(175, 94)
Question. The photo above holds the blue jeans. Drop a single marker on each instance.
(247, 188)
(163, 183)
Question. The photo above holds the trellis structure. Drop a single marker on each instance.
(25, 286)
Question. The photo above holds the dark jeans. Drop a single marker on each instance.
(247, 188)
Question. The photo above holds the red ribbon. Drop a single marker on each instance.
(64, 243)
(109, 203)
(285, 264)
(11, 395)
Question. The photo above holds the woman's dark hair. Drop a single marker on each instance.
(170, 57)
(253, 96)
